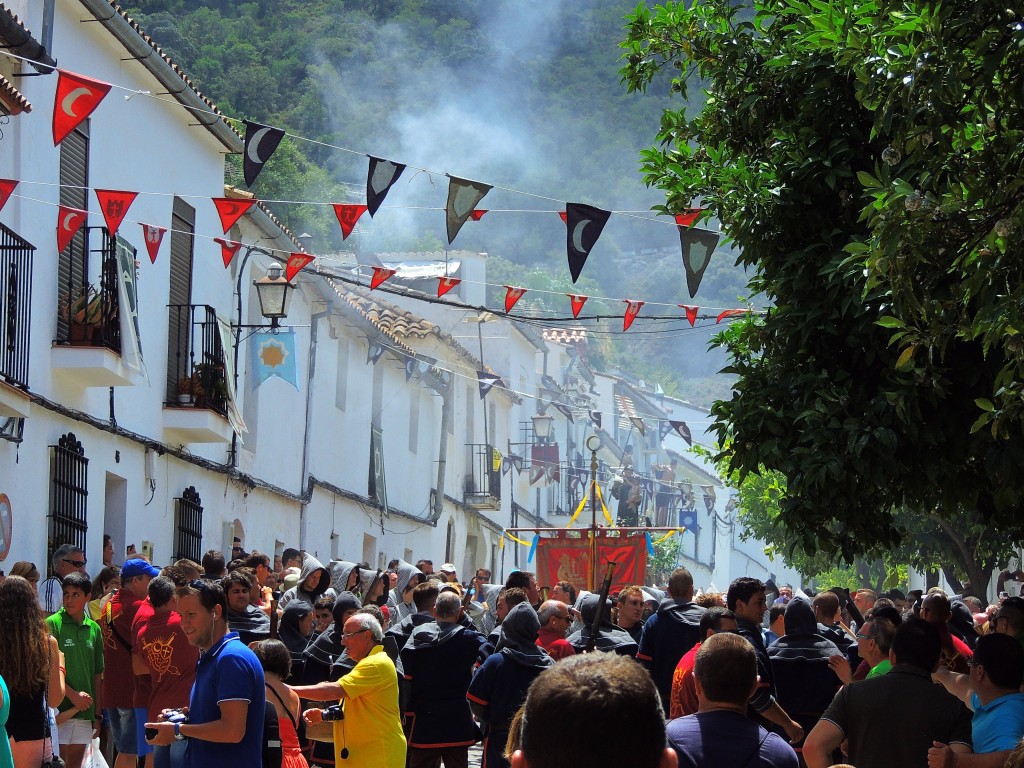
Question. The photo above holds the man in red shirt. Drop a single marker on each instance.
(554, 623)
(119, 677)
(935, 609)
(683, 699)
(169, 660)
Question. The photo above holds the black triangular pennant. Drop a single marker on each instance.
(697, 245)
(260, 143)
(564, 410)
(463, 196)
(487, 380)
(595, 416)
(583, 225)
(664, 427)
(374, 352)
(683, 431)
(410, 367)
(379, 179)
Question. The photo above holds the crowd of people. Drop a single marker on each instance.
(289, 663)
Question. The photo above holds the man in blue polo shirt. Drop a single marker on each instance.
(991, 688)
(228, 702)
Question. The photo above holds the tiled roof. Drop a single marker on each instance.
(12, 98)
(565, 335)
(185, 79)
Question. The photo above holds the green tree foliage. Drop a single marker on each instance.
(866, 157)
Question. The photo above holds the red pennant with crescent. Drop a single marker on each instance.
(729, 313)
(445, 284)
(564, 217)
(478, 214)
(295, 264)
(6, 190)
(153, 235)
(380, 274)
(632, 310)
(231, 210)
(228, 249)
(68, 221)
(348, 215)
(76, 98)
(114, 205)
(687, 217)
(577, 303)
(512, 295)
(691, 313)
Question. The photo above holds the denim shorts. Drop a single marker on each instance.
(124, 729)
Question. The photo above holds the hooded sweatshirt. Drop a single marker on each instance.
(483, 609)
(289, 634)
(609, 636)
(325, 656)
(668, 634)
(397, 606)
(340, 572)
(500, 684)
(804, 682)
(310, 565)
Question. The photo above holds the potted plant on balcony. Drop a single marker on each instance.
(81, 310)
(190, 388)
(212, 380)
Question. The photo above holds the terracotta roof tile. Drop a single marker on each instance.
(565, 335)
(12, 98)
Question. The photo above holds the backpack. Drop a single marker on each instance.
(273, 754)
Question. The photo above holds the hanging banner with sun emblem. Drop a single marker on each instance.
(273, 354)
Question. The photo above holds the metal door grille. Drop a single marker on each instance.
(15, 306)
(69, 494)
(188, 536)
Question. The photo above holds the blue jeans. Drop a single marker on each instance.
(170, 756)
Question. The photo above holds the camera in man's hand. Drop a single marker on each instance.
(333, 713)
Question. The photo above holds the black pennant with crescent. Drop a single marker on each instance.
(682, 430)
(583, 225)
(463, 196)
(260, 143)
(379, 179)
(697, 245)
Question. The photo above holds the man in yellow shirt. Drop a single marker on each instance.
(368, 729)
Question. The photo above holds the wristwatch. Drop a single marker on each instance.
(178, 735)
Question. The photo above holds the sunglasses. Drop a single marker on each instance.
(353, 634)
(75, 563)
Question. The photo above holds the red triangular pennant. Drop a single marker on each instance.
(348, 214)
(228, 249)
(68, 221)
(295, 264)
(75, 99)
(512, 295)
(114, 205)
(6, 190)
(380, 274)
(478, 214)
(687, 217)
(564, 216)
(231, 210)
(577, 303)
(691, 313)
(632, 310)
(729, 313)
(153, 235)
(445, 284)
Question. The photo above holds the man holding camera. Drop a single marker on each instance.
(228, 702)
(367, 723)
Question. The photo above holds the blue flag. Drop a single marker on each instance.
(273, 354)
(650, 544)
(533, 548)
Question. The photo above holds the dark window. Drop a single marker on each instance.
(15, 306)
(183, 226)
(188, 526)
(72, 262)
(69, 494)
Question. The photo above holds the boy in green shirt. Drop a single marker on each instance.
(81, 640)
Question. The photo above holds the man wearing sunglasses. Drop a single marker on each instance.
(67, 558)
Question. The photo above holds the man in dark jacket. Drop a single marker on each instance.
(500, 684)
(423, 597)
(609, 637)
(439, 660)
(670, 632)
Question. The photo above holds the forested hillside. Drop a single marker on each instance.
(524, 95)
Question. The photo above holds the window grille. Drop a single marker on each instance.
(188, 536)
(69, 494)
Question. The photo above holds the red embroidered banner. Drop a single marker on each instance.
(348, 215)
(565, 559)
(295, 264)
(153, 235)
(114, 205)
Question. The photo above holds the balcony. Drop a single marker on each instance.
(88, 344)
(483, 480)
(196, 402)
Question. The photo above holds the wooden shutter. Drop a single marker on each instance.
(183, 227)
(72, 262)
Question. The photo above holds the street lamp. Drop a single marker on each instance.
(543, 423)
(273, 292)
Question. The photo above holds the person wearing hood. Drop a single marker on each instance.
(314, 581)
(670, 632)
(508, 598)
(500, 684)
(609, 637)
(372, 587)
(439, 660)
(400, 598)
(344, 577)
(482, 609)
(295, 631)
(247, 620)
(804, 680)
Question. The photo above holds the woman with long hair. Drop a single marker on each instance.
(32, 665)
